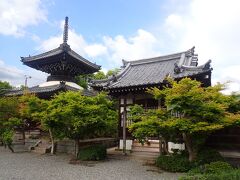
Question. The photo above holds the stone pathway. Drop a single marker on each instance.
(30, 166)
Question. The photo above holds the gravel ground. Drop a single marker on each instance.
(30, 166)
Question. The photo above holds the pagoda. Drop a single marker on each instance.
(63, 64)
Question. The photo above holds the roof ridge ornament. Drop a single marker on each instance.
(65, 32)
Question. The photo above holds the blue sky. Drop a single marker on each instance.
(108, 31)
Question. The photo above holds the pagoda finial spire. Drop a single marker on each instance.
(65, 33)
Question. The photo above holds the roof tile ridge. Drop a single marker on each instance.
(158, 58)
(39, 55)
(155, 59)
(85, 60)
(122, 74)
(118, 75)
(206, 65)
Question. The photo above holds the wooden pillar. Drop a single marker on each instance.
(124, 126)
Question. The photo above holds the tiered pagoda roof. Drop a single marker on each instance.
(140, 74)
(62, 61)
(63, 64)
(48, 91)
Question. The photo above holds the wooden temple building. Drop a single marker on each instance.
(130, 84)
(63, 64)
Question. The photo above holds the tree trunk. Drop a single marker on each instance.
(165, 146)
(76, 147)
(10, 147)
(160, 145)
(52, 141)
(191, 151)
(23, 134)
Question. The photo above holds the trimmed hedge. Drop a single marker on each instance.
(213, 167)
(213, 171)
(179, 162)
(229, 175)
(174, 163)
(93, 153)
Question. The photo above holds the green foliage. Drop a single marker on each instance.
(99, 75)
(69, 114)
(9, 118)
(214, 170)
(30, 106)
(82, 80)
(228, 175)
(174, 163)
(206, 156)
(6, 136)
(234, 104)
(200, 110)
(93, 153)
(213, 167)
(4, 86)
(150, 123)
(112, 72)
(217, 167)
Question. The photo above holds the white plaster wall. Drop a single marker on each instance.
(172, 145)
(128, 144)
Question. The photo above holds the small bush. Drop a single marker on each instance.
(93, 153)
(174, 163)
(228, 175)
(213, 167)
(217, 167)
(206, 156)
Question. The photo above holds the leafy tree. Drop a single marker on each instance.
(112, 72)
(196, 111)
(4, 86)
(99, 75)
(82, 80)
(193, 111)
(8, 119)
(150, 123)
(71, 115)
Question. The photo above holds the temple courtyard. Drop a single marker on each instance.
(29, 166)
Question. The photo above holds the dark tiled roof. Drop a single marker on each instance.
(154, 70)
(62, 48)
(48, 89)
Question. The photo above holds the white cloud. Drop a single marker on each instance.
(16, 76)
(111, 49)
(142, 45)
(75, 40)
(173, 22)
(95, 50)
(213, 27)
(15, 15)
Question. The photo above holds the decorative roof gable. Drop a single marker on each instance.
(154, 70)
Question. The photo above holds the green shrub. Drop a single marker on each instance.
(225, 175)
(174, 163)
(206, 156)
(93, 153)
(213, 167)
(217, 167)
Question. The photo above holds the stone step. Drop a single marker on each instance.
(145, 149)
(145, 157)
(145, 154)
(40, 150)
(150, 145)
(20, 148)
